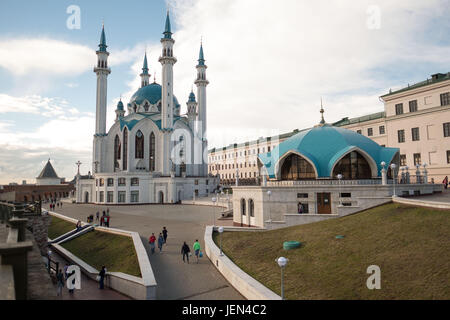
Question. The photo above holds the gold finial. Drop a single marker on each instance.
(154, 78)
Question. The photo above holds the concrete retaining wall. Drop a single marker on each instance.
(241, 281)
(422, 203)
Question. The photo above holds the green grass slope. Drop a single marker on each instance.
(99, 249)
(410, 245)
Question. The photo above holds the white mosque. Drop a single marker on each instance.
(153, 154)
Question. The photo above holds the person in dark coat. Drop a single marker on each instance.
(102, 275)
(160, 242)
(164, 232)
(185, 251)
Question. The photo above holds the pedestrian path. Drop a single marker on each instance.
(89, 288)
(176, 280)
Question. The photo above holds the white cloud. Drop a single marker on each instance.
(48, 56)
(270, 62)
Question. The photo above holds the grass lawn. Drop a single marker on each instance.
(58, 227)
(99, 249)
(410, 245)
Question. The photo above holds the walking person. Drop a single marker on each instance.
(164, 232)
(445, 182)
(59, 282)
(185, 251)
(197, 248)
(160, 242)
(97, 217)
(107, 220)
(151, 241)
(102, 275)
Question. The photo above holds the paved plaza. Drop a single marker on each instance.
(176, 280)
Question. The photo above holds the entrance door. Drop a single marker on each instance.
(86, 197)
(161, 197)
(324, 203)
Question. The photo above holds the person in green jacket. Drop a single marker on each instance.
(197, 248)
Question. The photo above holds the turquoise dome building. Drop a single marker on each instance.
(323, 152)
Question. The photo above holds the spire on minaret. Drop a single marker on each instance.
(201, 58)
(102, 44)
(167, 30)
(322, 121)
(145, 76)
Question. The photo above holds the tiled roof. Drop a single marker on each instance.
(48, 172)
(435, 78)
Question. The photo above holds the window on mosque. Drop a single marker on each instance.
(353, 166)
(152, 159)
(116, 152)
(251, 208)
(139, 145)
(243, 207)
(296, 168)
(110, 196)
(121, 196)
(102, 182)
(448, 156)
(134, 196)
(102, 196)
(302, 195)
(125, 149)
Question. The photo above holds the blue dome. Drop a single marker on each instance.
(152, 93)
(326, 145)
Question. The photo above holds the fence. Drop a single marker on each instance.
(15, 250)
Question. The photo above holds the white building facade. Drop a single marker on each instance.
(153, 154)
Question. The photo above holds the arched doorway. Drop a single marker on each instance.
(86, 197)
(242, 211)
(296, 167)
(353, 166)
(161, 197)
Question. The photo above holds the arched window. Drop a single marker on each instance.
(146, 107)
(243, 207)
(152, 149)
(116, 152)
(251, 208)
(296, 168)
(125, 149)
(353, 166)
(139, 145)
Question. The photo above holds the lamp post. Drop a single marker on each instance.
(393, 166)
(282, 262)
(220, 234)
(214, 199)
(269, 193)
(339, 176)
(222, 204)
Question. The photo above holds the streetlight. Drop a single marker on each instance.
(222, 204)
(214, 211)
(220, 234)
(269, 193)
(393, 166)
(282, 262)
(339, 176)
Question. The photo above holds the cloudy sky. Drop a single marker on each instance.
(269, 63)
